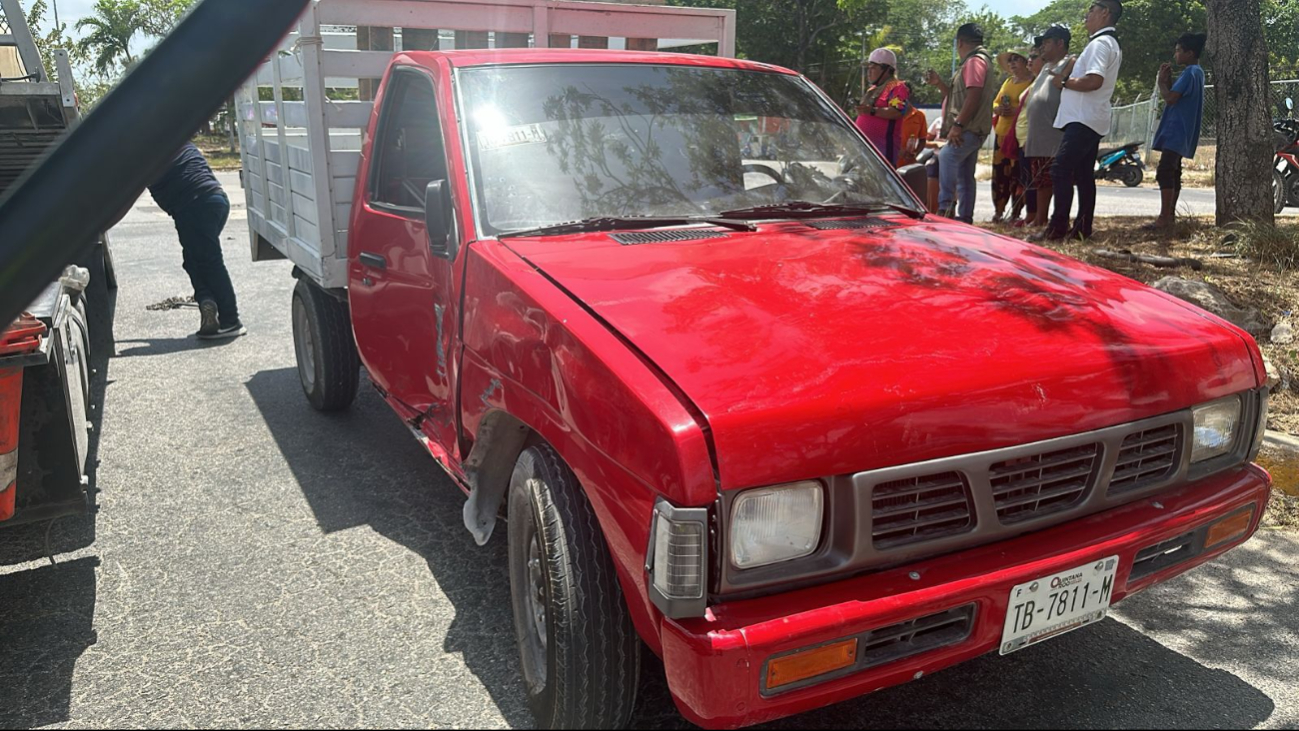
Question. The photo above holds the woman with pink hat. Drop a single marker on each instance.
(880, 113)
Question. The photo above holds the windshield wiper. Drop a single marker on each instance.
(807, 209)
(624, 223)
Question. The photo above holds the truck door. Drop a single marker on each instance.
(403, 296)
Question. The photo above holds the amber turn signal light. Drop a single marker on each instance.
(810, 663)
(1229, 528)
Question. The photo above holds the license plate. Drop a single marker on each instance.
(1055, 604)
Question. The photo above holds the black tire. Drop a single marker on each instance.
(328, 366)
(1131, 175)
(584, 671)
(1279, 193)
(110, 269)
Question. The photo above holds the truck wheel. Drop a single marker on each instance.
(579, 650)
(110, 270)
(328, 366)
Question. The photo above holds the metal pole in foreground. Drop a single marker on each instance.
(53, 214)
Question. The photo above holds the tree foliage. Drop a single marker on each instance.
(922, 32)
(109, 33)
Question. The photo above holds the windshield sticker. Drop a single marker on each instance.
(525, 134)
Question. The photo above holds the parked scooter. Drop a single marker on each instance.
(1285, 168)
(1123, 164)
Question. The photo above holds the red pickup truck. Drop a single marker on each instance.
(760, 415)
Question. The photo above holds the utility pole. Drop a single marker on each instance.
(56, 13)
(863, 64)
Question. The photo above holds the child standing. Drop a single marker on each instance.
(1179, 130)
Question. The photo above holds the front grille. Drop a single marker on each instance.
(907, 639)
(662, 237)
(1147, 458)
(920, 509)
(1162, 555)
(1032, 487)
(848, 224)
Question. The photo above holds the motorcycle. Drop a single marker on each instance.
(1123, 164)
(1285, 167)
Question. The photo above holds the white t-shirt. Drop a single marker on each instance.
(1102, 57)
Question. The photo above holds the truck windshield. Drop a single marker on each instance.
(557, 143)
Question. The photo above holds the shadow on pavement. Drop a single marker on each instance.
(405, 497)
(46, 622)
(167, 346)
(1245, 606)
(1103, 676)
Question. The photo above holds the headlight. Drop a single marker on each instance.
(774, 524)
(1216, 427)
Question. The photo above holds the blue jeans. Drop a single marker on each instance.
(956, 167)
(199, 224)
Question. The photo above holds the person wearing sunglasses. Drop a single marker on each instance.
(1086, 89)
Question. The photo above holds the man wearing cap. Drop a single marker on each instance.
(1043, 139)
(967, 120)
(1087, 87)
(880, 113)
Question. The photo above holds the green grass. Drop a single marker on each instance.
(216, 148)
(1274, 247)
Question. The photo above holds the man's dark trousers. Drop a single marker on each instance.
(1075, 164)
(199, 224)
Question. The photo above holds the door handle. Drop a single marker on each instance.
(373, 261)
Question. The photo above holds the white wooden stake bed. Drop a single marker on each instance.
(301, 148)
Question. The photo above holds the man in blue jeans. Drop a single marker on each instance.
(189, 193)
(1087, 86)
(967, 121)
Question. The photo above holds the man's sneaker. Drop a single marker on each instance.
(208, 324)
(224, 332)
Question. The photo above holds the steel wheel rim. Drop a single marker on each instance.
(305, 345)
(535, 603)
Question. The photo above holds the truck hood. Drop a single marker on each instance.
(814, 353)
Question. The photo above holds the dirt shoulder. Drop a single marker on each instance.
(1274, 292)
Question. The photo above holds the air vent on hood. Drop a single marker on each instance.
(849, 224)
(662, 237)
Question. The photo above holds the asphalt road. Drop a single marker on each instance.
(1113, 200)
(257, 564)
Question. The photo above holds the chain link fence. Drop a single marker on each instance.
(1281, 90)
(1135, 122)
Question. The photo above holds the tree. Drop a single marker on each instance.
(1281, 27)
(160, 16)
(47, 42)
(1244, 101)
(1148, 30)
(791, 33)
(922, 31)
(113, 26)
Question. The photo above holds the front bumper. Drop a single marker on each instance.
(715, 663)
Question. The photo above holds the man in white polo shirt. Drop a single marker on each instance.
(1086, 89)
